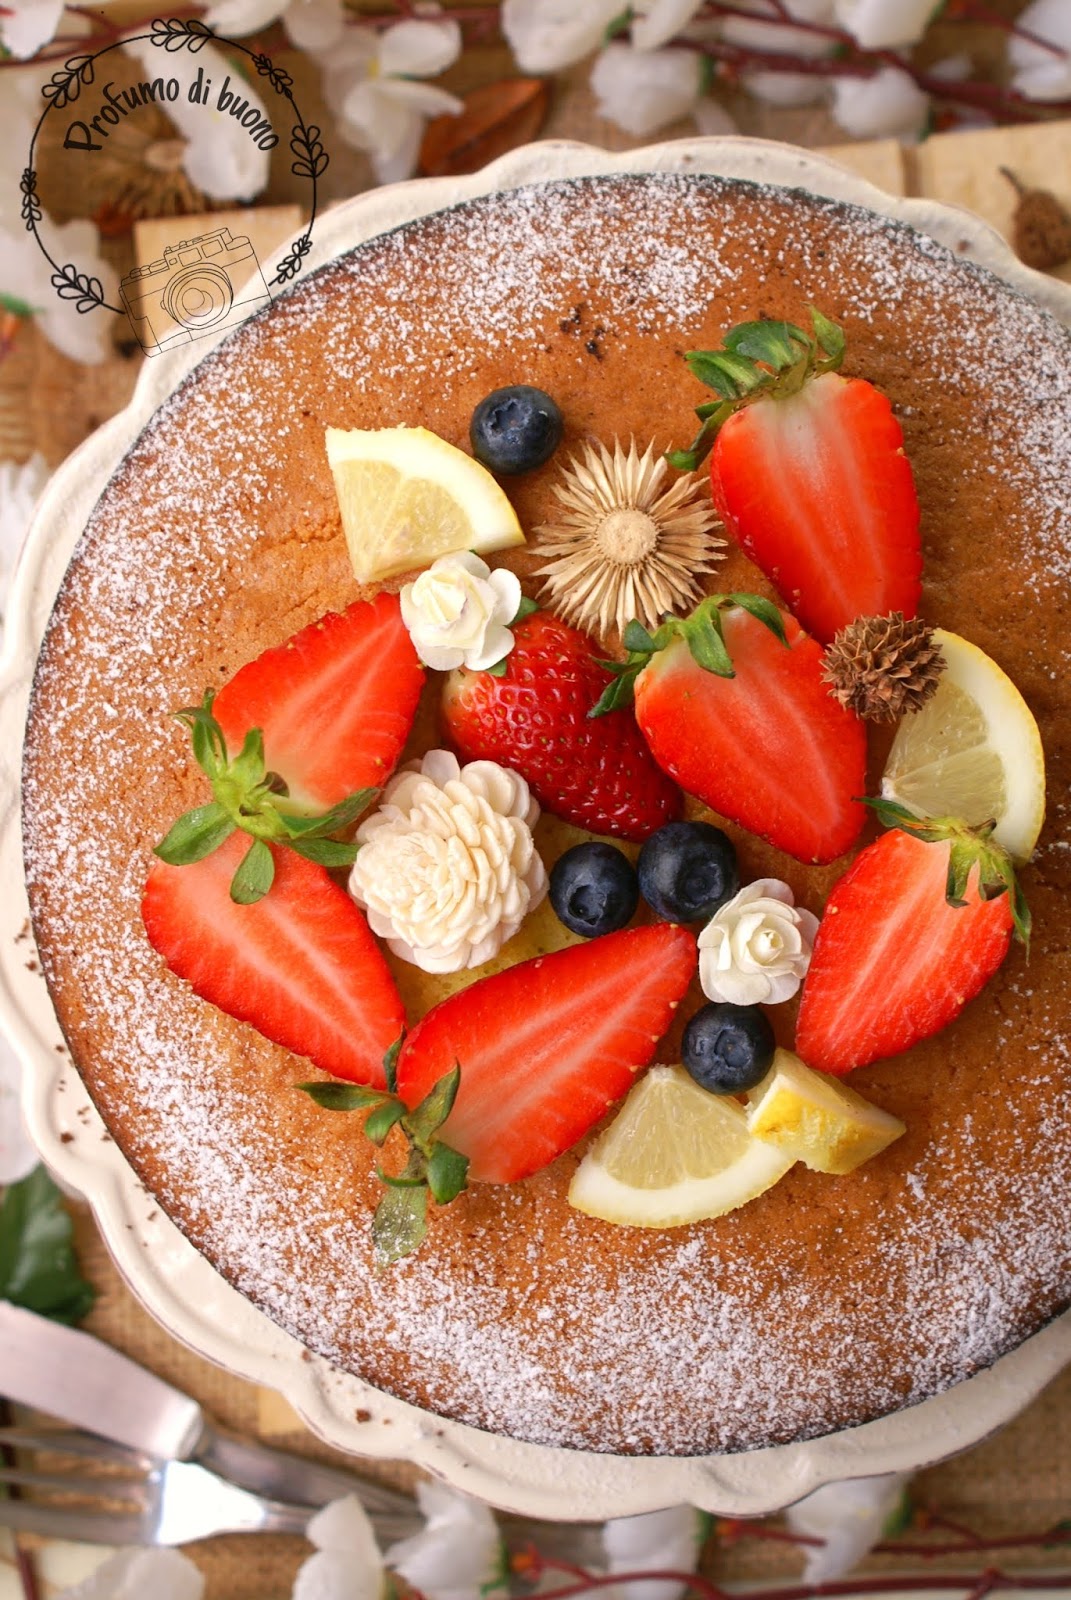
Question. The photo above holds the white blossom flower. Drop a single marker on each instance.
(458, 1555)
(885, 24)
(370, 82)
(20, 490)
(1042, 74)
(658, 21)
(315, 25)
(458, 612)
(546, 35)
(889, 105)
(220, 157)
(132, 1574)
(777, 37)
(643, 90)
(26, 276)
(667, 1540)
(347, 1564)
(756, 949)
(849, 1517)
(447, 868)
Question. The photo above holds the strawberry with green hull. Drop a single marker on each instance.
(335, 703)
(911, 933)
(732, 703)
(299, 964)
(531, 714)
(546, 1047)
(808, 473)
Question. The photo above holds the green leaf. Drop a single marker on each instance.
(390, 1063)
(38, 1268)
(617, 25)
(703, 635)
(255, 874)
(11, 302)
(499, 668)
(324, 822)
(729, 375)
(209, 745)
(763, 610)
(326, 852)
(776, 344)
(447, 1172)
(618, 693)
(247, 769)
(434, 1109)
(195, 835)
(637, 640)
(400, 1223)
(961, 858)
(382, 1120)
(830, 336)
(525, 609)
(343, 1096)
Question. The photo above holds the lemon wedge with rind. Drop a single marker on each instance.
(810, 1117)
(674, 1154)
(973, 751)
(407, 497)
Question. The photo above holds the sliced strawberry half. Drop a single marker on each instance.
(809, 474)
(300, 964)
(335, 703)
(907, 939)
(547, 1046)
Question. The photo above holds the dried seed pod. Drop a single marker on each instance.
(1041, 228)
(883, 667)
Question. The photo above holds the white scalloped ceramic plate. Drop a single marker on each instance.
(177, 1284)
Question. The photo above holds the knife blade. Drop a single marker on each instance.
(72, 1375)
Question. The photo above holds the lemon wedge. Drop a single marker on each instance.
(674, 1154)
(973, 751)
(810, 1117)
(407, 497)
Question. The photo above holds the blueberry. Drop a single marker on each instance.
(687, 870)
(515, 429)
(727, 1048)
(593, 889)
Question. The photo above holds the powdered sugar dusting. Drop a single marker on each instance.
(828, 1300)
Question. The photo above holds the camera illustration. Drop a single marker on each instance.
(197, 287)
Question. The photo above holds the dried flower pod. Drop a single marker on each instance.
(1041, 228)
(883, 667)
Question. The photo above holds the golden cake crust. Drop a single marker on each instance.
(827, 1302)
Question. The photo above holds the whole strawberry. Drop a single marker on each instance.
(533, 717)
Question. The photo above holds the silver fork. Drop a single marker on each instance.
(139, 1500)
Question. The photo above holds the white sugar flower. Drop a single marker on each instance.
(447, 868)
(643, 90)
(655, 1541)
(347, 1564)
(458, 1555)
(849, 1518)
(370, 82)
(756, 949)
(26, 276)
(1043, 74)
(458, 612)
(546, 35)
(777, 37)
(885, 24)
(132, 1574)
(888, 105)
(221, 158)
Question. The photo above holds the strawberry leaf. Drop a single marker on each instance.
(38, 1266)
(195, 835)
(616, 694)
(247, 768)
(447, 1172)
(339, 816)
(778, 345)
(423, 1122)
(343, 1096)
(830, 338)
(390, 1063)
(525, 609)
(382, 1119)
(400, 1223)
(702, 633)
(326, 852)
(763, 610)
(636, 639)
(255, 874)
(499, 668)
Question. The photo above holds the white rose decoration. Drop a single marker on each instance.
(457, 612)
(757, 948)
(447, 868)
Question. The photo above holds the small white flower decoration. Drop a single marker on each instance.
(1040, 74)
(889, 105)
(546, 35)
(848, 1518)
(756, 949)
(458, 612)
(643, 90)
(347, 1564)
(659, 21)
(777, 37)
(25, 275)
(885, 24)
(447, 868)
(458, 1555)
(132, 1574)
(667, 1541)
(370, 82)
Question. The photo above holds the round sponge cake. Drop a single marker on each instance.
(829, 1300)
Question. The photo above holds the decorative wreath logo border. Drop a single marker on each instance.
(170, 34)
